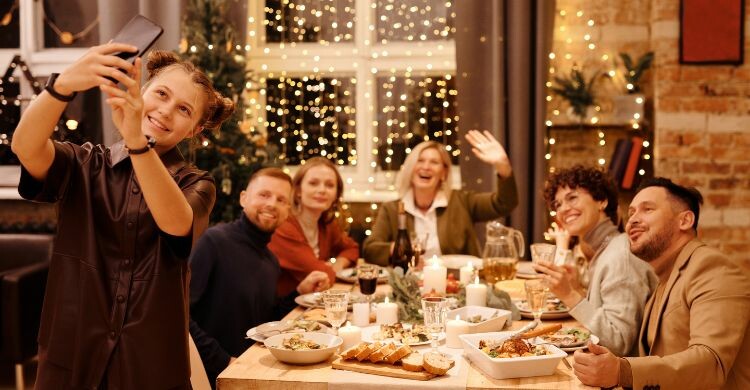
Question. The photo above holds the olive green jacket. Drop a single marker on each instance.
(455, 222)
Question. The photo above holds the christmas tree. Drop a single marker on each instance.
(233, 152)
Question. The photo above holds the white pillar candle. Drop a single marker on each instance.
(453, 329)
(351, 334)
(361, 313)
(434, 276)
(465, 273)
(476, 294)
(387, 312)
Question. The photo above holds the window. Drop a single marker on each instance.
(360, 82)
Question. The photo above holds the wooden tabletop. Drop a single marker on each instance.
(258, 369)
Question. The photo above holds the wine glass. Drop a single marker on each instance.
(418, 246)
(434, 309)
(536, 296)
(335, 302)
(367, 275)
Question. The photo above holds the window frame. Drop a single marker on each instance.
(352, 59)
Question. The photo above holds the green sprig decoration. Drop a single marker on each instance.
(405, 292)
(576, 90)
(635, 70)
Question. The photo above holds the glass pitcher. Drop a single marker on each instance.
(499, 262)
(496, 231)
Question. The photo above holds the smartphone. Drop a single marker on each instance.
(139, 32)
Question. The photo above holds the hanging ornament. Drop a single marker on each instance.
(8, 17)
(66, 37)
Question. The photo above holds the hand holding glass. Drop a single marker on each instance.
(335, 302)
(419, 246)
(434, 309)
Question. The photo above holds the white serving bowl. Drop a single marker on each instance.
(503, 368)
(329, 345)
(491, 325)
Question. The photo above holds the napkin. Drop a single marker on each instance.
(499, 299)
(455, 379)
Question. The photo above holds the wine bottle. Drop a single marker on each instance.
(402, 250)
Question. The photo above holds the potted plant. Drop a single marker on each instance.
(576, 90)
(629, 108)
(634, 70)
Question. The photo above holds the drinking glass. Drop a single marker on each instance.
(435, 309)
(335, 302)
(418, 246)
(536, 296)
(367, 275)
(499, 261)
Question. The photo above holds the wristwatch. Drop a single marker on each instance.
(150, 143)
(50, 88)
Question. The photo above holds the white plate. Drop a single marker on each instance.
(309, 300)
(369, 332)
(349, 275)
(547, 315)
(458, 261)
(524, 270)
(252, 332)
(594, 339)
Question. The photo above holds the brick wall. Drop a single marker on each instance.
(702, 128)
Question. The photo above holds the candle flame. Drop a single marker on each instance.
(386, 300)
(471, 265)
(476, 279)
(458, 317)
(348, 323)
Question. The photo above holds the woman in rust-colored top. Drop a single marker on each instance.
(311, 238)
(116, 305)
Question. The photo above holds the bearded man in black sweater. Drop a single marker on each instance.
(234, 275)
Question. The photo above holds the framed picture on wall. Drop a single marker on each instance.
(712, 31)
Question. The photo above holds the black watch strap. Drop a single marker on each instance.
(50, 88)
(150, 143)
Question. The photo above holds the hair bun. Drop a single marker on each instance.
(158, 60)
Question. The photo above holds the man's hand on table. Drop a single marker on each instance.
(599, 367)
(314, 282)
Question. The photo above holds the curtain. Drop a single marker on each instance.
(501, 54)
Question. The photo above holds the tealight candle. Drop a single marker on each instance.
(465, 273)
(361, 313)
(476, 294)
(387, 312)
(351, 334)
(453, 329)
(434, 276)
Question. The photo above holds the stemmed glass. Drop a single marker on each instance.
(367, 275)
(335, 302)
(536, 296)
(419, 247)
(434, 309)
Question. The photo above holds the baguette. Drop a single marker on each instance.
(381, 353)
(365, 353)
(398, 354)
(437, 364)
(541, 330)
(353, 351)
(413, 362)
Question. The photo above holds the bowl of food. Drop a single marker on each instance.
(501, 357)
(303, 348)
(481, 319)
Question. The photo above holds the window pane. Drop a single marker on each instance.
(71, 23)
(312, 116)
(414, 109)
(310, 20)
(9, 32)
(415, 20)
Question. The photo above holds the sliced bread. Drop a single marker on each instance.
(398, 354)
(365, 353)
(353, 351)
(413, 362)
(380, 354)
(437, 364)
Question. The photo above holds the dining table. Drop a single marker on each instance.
(258, 369)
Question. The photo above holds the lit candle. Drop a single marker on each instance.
(434, 276)
(361, 313)
(465, 273)
(387, 312)
(476, 294)
(453, 329)
(351, 334)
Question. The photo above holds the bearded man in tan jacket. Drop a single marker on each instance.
(695, 332)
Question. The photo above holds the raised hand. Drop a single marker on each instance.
(487, 149)
(127, 105)
(93, 68)
(314, 282)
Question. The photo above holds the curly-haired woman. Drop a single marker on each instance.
(585, 202)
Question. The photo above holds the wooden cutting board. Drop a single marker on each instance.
(380, 369)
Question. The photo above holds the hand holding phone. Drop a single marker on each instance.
(139, 32)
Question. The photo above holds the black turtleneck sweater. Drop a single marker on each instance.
(232, 289)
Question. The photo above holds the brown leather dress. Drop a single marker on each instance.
(116, 305)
